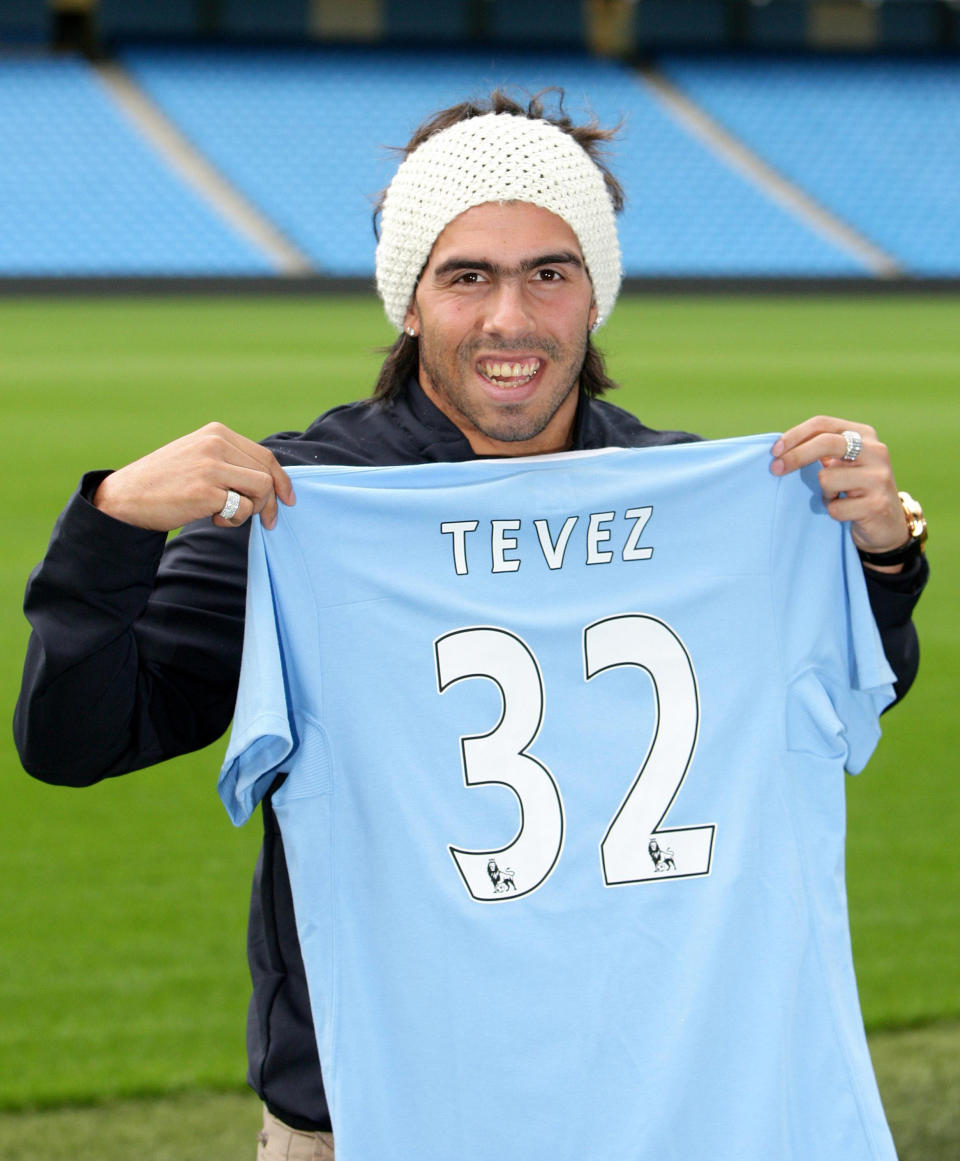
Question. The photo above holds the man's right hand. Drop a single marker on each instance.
(189, 479)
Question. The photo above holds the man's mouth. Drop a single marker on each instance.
(509, 373)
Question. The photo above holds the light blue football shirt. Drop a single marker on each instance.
(565, 741)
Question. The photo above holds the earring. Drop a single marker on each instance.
(411, 332)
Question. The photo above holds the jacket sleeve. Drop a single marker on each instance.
(135, 651)
(892, 599)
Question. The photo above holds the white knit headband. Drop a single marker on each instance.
(498, 157)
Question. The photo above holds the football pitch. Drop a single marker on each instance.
(123, 981)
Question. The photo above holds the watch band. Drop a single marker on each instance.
(906, 554)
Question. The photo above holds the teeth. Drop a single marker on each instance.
(511, 370)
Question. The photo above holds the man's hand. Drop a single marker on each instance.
(189, 479)
(863, 491)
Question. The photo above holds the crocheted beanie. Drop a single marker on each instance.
(497, 157)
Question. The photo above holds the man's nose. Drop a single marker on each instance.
(508, 310)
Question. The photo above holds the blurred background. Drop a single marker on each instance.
(814, 139)
(186, 193)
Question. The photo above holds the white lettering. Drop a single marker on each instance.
(458, 529)
(511, 543)
(553, 553)
(596, 535)
(499, 543)
(639, 516)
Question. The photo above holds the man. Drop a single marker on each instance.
(497, 258)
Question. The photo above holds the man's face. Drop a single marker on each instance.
(503, 310)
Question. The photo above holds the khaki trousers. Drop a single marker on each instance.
(278, 1142)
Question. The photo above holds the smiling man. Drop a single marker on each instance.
(502, 342)
(497, 258)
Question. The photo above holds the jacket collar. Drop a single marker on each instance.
(441, 435)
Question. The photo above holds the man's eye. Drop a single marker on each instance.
(470, 277)
(548, 275)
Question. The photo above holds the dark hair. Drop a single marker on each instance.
(402, 358)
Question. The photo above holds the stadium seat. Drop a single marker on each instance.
(876, 141)
(82, 194)
(308, 135)
(305, 134)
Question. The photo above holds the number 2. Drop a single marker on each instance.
(635, 849)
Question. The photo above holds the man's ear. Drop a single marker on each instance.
(411, 322)
(592, 316)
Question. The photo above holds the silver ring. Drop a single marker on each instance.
(229, 510)
(854, 445)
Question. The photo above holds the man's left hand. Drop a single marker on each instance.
(862, 491)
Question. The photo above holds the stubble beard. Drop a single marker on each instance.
(505, 422)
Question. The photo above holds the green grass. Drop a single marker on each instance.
(122, 969)
(916, 1069)
(198, 1126)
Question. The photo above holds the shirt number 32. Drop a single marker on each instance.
(636, 848)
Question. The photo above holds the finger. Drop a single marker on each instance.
(874, 527)
(827, 447)
(242, 452)
(243, 513)
(834, 484)
(258, 487)
(849, 509)
(282, 484)
(268, 507)
(817, 425)
(255, 489)
(253, 456)
(854, 480)
(873, 510)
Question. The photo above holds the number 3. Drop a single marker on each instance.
(501, 757)
(634, 849)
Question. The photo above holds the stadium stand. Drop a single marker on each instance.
(303, 134)
(82, 194)
(877, 141)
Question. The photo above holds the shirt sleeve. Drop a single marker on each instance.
(838, 679)
(263, 735)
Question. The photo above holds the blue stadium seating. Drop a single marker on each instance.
(875, 141)
(82, 194)
(304, 133)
